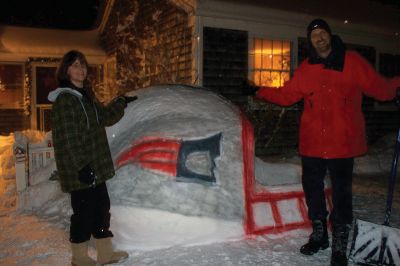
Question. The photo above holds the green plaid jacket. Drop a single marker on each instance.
(79, 136)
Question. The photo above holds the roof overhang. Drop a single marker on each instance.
(20, 43)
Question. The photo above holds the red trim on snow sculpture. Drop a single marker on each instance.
(159, 154)
(275, 206)
(170, 156)
(248, 172)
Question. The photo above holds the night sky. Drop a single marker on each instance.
(74, 15)
(84, 14)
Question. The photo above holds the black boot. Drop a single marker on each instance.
(340, 238)
(318, 239)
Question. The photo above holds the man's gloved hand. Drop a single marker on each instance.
(86, 175)
(249, 88)
(129, 99)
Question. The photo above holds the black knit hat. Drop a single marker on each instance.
(318, 24)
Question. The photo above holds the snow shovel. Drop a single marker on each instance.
(375, 244)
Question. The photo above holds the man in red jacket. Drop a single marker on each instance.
(331, 81)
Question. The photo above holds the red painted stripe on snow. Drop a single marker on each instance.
(251, 195)
(248, 172)
(165, 167)
(148, 146)
(276, 214)
(263, 196)
(159, 155)
(152, 139)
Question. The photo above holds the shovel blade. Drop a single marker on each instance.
(375, 244)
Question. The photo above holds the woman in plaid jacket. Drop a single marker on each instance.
(83, 157)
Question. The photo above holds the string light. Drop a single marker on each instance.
(2, 86)
(28, 79)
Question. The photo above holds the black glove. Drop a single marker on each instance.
(86, 175)
(249, 88)
(129, 99)
(398, 96)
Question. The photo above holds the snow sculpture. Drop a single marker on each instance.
(188, 151)
(178, 149)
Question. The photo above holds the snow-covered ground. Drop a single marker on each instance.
(42, 239)
(40, 236)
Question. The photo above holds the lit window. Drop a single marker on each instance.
(269, 62)
(11, 86)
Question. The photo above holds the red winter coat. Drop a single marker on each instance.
(332, 123)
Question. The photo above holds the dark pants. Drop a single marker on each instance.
(91, 215)
(341, 172)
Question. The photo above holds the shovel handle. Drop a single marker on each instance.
(392, 180)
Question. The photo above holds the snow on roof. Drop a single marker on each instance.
(20, 43)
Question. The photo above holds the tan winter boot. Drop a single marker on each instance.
(106, 254)
(80, 255)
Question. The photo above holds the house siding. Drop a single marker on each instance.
(223, 56)
(13, 120)
(152, 43)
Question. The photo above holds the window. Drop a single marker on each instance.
(11, 86)
(269, 62)
(44, 82)
(389, 67)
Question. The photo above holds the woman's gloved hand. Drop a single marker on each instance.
(86, 175)
(129, 99)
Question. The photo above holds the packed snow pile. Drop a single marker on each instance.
(7, 170)
(179, 171)
(178, 149)
(36, 177)
(178, 152)
(179, 165)
(7, 173)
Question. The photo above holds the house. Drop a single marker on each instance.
(28, 60)
(218, 44)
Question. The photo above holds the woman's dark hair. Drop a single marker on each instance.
(68, 59)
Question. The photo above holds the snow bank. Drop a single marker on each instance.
(7, 173)
(7, 162)
(39, 191)
(273, 174)
(148, 229)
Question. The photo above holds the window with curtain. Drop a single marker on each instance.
(11, 86)
(269, 62)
